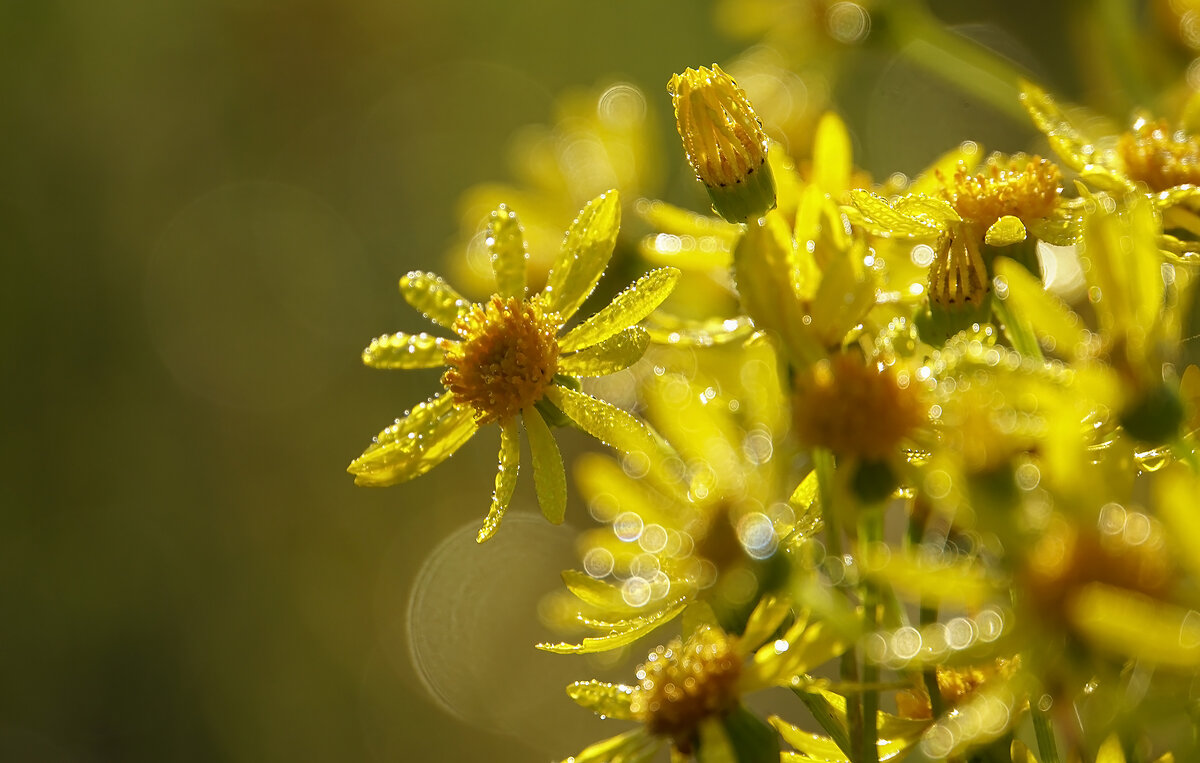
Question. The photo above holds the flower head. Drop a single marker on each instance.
(1159, 157)
(1019, 186)
(724, 141)
(854, 409)
(511, 358)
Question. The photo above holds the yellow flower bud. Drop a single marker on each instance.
(724, 141)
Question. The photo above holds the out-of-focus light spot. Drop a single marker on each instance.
(621, 105)
(603, 507)
(848, 22)
(1112, 518)
(636, 464)
(628, 526)
(922, 255)
(1189, 630)
(598, 562)
(906, 642)
(938, 484)
(1028, 476)
(960, 633)
(654, 539)
(916, 289)
(757, 535)
(644, 566)
(636, 592)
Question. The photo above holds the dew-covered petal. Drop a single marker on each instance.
(1005, 231)
(605, 699)
(610, 425)
(585, 253)
(928, 209)
(1063, 227)
(405, 351)
(682, 332)
(416, 443)
(549, 477)
(636, 746)
(624, 632)
(626, 309)
(683, 222)
(1067, 140)
(612, 355)
(506, 245)
(436, 299)
(882, 219)
(506, 478)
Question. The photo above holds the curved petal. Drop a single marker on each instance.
(585, 253)
(882, 219)
(833, 161)
(626, 309)
(413, 445)
(607, 700)
(506, 244)
(436, 299)
(613, 354)
(549, 477)
(401, 350)
(610, 425)
(681, 332)
(506, 479)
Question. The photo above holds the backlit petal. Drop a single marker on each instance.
(548, 474)
(436, 299)
(506, 478)
(405, 351)
(626, 309)
(612, 355)
(415, 444)
(506, 245)
(585, 253)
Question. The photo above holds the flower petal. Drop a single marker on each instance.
(1005, 231)
(623, 633)
(833, 161)
(416, 443)
(681, 332)
(585, 253)
(884, 220)
(613, 354)
(626, 309)
(405, 351)
(436, 299)
(548, 474)
(506, 244)
(631, 747)
(610, 425)
(506, 479)
(605, 699)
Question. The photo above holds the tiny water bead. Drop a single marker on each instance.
(507, 358)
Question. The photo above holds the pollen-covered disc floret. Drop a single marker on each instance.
(682, 684)
(1022, 186)
(1158, 157)
(508, 356)
(854, 409)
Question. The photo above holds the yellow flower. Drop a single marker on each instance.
(724, 141)
(689, 691)
(511, 358)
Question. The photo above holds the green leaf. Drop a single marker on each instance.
(506, 479)
(610, 425)
(1005, 231)
(413, 445)
(548, 474)
(602, 698)
(585, 253)
(752, 739)
(436, 299)
(613, 354)
(405, 351)
(626, 309)
(506, 245)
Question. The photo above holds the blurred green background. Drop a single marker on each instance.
(205, 207)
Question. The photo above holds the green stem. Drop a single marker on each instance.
(870, 531)
(1044, 731)
(972, 68)
(937, 705)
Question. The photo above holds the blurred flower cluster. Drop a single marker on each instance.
(918, 455)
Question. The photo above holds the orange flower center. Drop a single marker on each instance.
(683, 684)
(1159, 158)
(854, 409)
(507, 358)
(1025, 187)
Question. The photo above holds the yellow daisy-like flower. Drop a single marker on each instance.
(689, 691)
(512, 358)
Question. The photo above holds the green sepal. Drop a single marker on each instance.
(752, 739)
(1156, 416)
(940, 323)
(751, 198)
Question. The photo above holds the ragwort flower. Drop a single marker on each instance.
(511, 358)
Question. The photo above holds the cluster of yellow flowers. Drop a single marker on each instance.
(948, 499)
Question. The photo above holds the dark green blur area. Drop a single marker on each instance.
(205, 206)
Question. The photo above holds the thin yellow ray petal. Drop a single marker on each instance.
(506, 479)
(612, 355)
(610, 425)
(413, 445)
(585, 253)
(506, 244)
(401, 350)
(548, 474)
(436, 299)
(626, 309)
